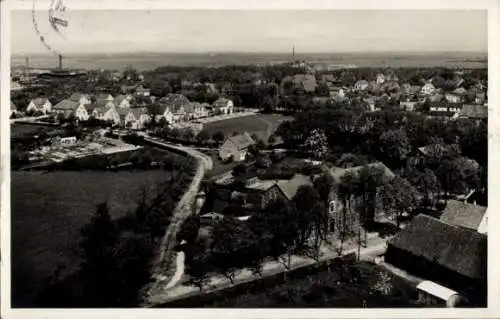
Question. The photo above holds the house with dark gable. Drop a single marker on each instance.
(236, 147)
(453, 256)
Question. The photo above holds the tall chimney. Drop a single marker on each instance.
(60, 61)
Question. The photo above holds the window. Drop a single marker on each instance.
(332, 207)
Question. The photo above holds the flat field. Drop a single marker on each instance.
(259, 123)
(48, 211)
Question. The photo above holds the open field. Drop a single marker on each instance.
(17, 130)
(48, 211)
(260, 124)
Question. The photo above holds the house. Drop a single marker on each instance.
(428, 89)
(71, 108)
(480, 98)
(444, 107)
(254, 193)
(236, 147)
(336, 91)
(200, 110)
(128, 89)
(372, 105)
(453, 98)
(141, 91)
(391, 86)
(108, 114)
(339, 221)
(104, 97)
(380, 78)
(477, 112)
(460, 91)
(80, 98)
(39, 104)
(135, 118)
(122, 101)
(462, 214)
(435, 97)
(361, 85)
(13, 109)
(223, 105)
(175, 107)
(449, 255)
(304, 83)
(408, 105)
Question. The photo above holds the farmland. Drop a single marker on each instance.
(260, 123)
(48, 211)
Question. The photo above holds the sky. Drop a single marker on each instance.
(311, 31)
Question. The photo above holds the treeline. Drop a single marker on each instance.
(117, 253)
(455, 161)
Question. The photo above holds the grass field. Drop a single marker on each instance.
(48, 211)
(22, 129)
(260, 123)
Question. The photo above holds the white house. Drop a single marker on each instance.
(408, 105)
(39, 104)
(122, 101)
(134, 118)
(236, 147)
(428, 89)
(106, 114)
(141, 91)
(223, 105)
(200, 110)
(361, 85)
(71, 108)
(453, 98)
(80, 98)
(380, 78)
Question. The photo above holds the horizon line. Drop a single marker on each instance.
(253, 52)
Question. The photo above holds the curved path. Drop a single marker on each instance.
(183, 209)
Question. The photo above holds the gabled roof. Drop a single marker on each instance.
(104, 96)
(66, 105)
(40, 101)
(474, 111)
(119, 99)
(290, 187)
(241, 141)
(463, 214)
(103, 103)
(460, 91)
(101, 110)
(174, 102)
(138, 111)
(221, 102)
(75, 97)
(458, 249)
(13, 107)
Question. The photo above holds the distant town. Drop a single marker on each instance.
(285, 185)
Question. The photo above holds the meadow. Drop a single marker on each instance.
(261, 124)
(49, 209)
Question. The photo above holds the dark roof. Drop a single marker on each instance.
(463, 214)
(458, 249)
(66, 105)
(104, 96)
(474, 111)
(75, 97)
(174, 102)
(119, 99)
(103, 103)
(290, 187)
(241, 141)
(221, 102)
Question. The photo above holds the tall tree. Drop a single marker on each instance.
(398, 197)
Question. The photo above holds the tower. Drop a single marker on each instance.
(60, 61)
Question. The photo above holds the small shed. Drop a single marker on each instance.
(433, 294)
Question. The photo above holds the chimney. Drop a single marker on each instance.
(60, 61)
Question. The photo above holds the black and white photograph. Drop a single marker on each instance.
(312, 158)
